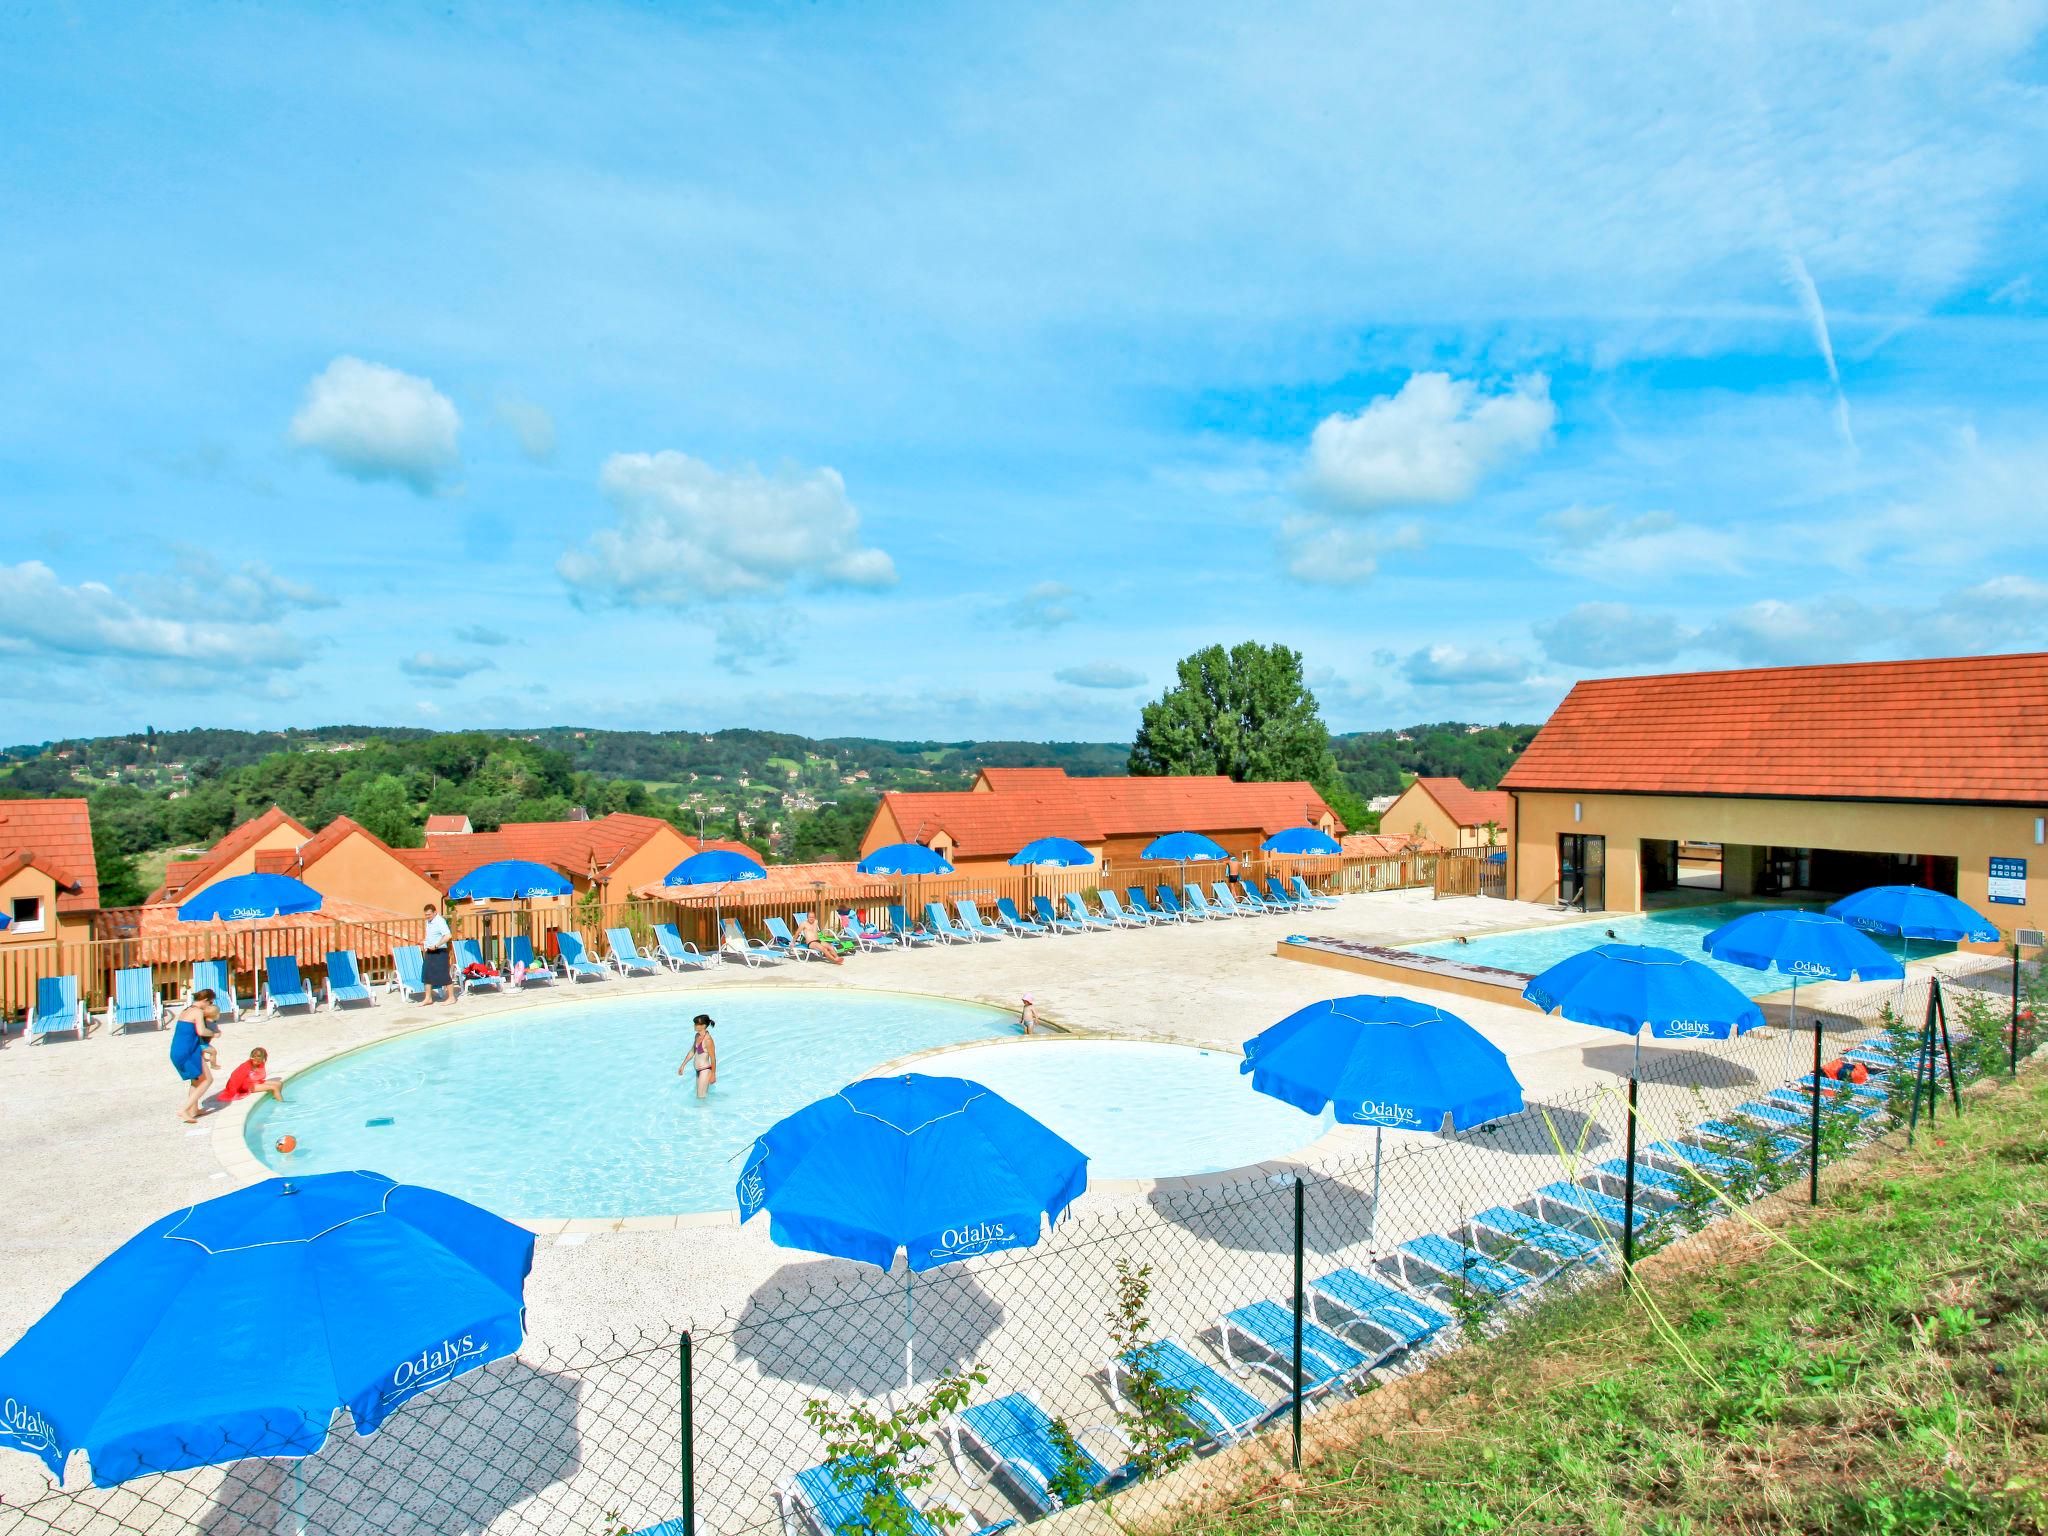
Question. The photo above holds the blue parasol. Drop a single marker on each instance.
(720, 867)
(904, 859)
(509, 880)
(1062, 852)
(250, 896)
(1301, 840)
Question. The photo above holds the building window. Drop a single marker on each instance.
(27, 914)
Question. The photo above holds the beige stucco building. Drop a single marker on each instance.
(1445, 812)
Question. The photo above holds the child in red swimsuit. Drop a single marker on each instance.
(251, 1077)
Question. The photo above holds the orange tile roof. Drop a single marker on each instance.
(1957, 729)
(1012, 779)
(57, 834)
(183, 874)
(443, 826)
(1387, 845)
(160, 937)
(1470, 807)
(576, 848)
(842, 881)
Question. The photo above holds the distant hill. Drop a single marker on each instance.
(1382, 762)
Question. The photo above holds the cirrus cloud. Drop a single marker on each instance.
(40, 615)
(1429, 444)
(1451, 666)
(372, 422)
(1099, 674)
(1605, 635)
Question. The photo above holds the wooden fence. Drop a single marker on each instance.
(170, 954)
(1470, 872)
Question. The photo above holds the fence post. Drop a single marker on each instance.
(686, 1370)
(1628, 1190)
(1813, 1142)
(2014, 1037)
(1940, 1008)
(1923, 1066)
(1298, 1304)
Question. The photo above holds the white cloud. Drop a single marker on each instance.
(688, 534)
(376, 423)
(1320, 552)
(40, 615)
(532, 425)
(434, 668)
(1429, 445)
(1046, 607)
(1438, 666)
(1099, 674)
(1771, 632)
(744, 640)
(1623, 551)
(482, 634)
(250, 591)
(1601, 636)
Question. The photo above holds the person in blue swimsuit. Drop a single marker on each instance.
(192, 1037)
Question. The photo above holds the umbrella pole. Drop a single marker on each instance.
(295, 1514)
(909, 1333)
(1628, 1185)
(1372, 1227)
(1813, 1142)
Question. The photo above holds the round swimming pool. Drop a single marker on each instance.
(574, 1109)
(1139, 1110)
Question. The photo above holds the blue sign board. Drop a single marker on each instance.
(2008, 883)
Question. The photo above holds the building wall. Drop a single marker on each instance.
(69, 927)
(882, 831)
(647, 864)
(356, 869)
(283, 837)
(1970, 834)
(1415, 811)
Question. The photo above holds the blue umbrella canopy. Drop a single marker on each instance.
(247, 896)
(1807, 946)
(509, 880)
(1914, 912)
(1383, 1061)
(904, 859)
(1062, 851)
(1182, 846)
(714, 866)
(1633, 987)
(937, 1167)
(1301, 840)
(342, 1290)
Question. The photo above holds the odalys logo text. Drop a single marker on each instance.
(434, 1365)
(1689, 1029)
(968, 1241)
(1374, 1112)
(25, 1429)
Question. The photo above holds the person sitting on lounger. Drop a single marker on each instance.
(807, 935)
(252, 1077)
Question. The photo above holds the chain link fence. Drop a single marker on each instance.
(1113, 1362)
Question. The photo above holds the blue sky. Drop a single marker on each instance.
(947, 371)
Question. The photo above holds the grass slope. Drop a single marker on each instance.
(1904, 1389)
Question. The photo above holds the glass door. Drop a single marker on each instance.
(1582, 871)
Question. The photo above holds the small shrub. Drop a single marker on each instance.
(1153, 1415)
(886, 1456)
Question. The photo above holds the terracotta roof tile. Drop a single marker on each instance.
(573, 847)
(183, 874)
(58, 835)
(1470, 807)
(1959, 728)
(443, 826)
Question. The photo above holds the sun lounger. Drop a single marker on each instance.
(576, 962)
(625, 955)
(1042, 905)
(1216, 1407)
(1198, 904)
(1260, 1337)
(869, 939)
(1135, 896)
(1782, 1148)
(1445, 1261)
(408, 971)
(344, 984)
(1612, 1175)
(215, 977)
(1715, 1164)
(56, 1010)
(1589, 1210)
(1281, 897)
(1248, 896)
(820, 1501)
(468, 952)
(1773, 1117)
(1013, 1437)
(283, 986)
(1114, 911)
(910, 933)
(676, 952)
(1308, 897)
(1171, 905)
(519, 952)
(1799, 1102)
(752, 951)
(1522, 1233)
(1830, 1086)
(972, 920)
(1227, 902)
(942, 924)
(134, 1002)
(1077, 909)
(1365, 1302)
(1017, 922)
(785, 943)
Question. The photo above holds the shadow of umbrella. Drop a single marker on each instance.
(838, 1326)
(1667, 1068)
(1542, 1130)
(1257, 1216)
(452, 1460)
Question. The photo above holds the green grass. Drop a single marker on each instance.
(1880, 1366)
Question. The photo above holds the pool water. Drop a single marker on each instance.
(1532, 950)
(1139, 1110)
(574, 1109)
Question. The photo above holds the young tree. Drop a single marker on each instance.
(1245, 712)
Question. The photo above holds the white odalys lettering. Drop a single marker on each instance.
(1810, 968)
(24, 1428)
(1377, 1112)
(1695, 1029)
(434, 1365)
(975, 1238)
(751, 1192)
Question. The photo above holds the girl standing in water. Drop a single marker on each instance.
(703, 1058)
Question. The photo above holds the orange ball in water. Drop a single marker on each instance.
(287, 1143)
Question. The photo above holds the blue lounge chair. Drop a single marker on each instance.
(910, 933)
(868, 938)
(57, 1009)
(1043, 906)
(1248, 897)
(943, 925)
(1216, 1407)
(1308, 897)
(1114, 911)
(1198, 904)
(344, 984)
(1798, 1101)
(1782, 1148)
(576, 962)
(676, 952)
(1445, 1261)
(1013, 1437)
(1226, 900)
(1559, 1246)
(1830, 1086)
(1077, 909)
(1017, 922)
(283, 986)
(518, 952)
(785, 943)
(134, 1002)
(972, 920)
(1170, 904)
(1590, 1211)
(1397, 1319)
(1276, 896)
(468, 952)
(408, 971)
(625, 955)
(752, 951)
(1135, 895)
(1260, 1337)
(1612, 1175)
(215, 977)
(1772, 1117)
(821, 1500)
(1716, 1164)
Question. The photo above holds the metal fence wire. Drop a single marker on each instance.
(1116, 1359)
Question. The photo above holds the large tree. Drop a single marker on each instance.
(1245, 712)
